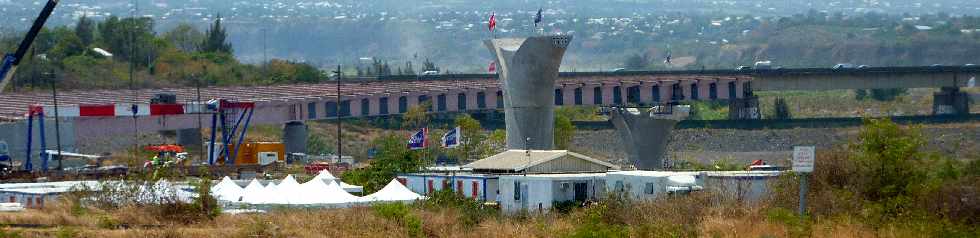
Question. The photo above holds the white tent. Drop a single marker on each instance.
(319, 192)
(287, 192)
(393, 192)
(325, 175)
(253, 192)
(227, 190)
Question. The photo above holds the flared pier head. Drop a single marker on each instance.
(528, 68)
(645, 132)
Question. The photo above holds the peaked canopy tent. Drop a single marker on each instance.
(227, 190)
(393, 192)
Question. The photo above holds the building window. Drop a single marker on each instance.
(402, 104)
(619, 187)
(731, 90)
(578, 96)
(459, 187)
(404, 181)
(423, 99)
(633, 95)
(441, 100)
(648, 188)
(695, 94)
(517, 191)
(383, 106)
(481, 100)
(500, 99)
(559, 97)
(461, 102)
(656, 93)
(311, 109)
(597, 95)
(345, 108)
(713, 91)
(617, 95)
(365, 107)
(676, 93)
(332, 109)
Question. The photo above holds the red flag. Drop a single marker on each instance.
(493, 66)
(493, 21)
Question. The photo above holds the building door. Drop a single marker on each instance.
(581, 192)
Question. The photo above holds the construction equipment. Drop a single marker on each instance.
(11, 61)
(254, 153)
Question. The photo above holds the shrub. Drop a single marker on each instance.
(401, 213)
(471, 211)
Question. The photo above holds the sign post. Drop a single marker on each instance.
(803, 157)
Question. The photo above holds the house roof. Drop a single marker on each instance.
(517, 160)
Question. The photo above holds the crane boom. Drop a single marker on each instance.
(11, 61)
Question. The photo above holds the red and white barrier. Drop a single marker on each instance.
(120, 110)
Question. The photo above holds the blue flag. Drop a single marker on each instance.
(537, 18)
(419, 140)
(451, 138)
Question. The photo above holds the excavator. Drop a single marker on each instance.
(11, 61)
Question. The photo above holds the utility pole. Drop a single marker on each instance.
(57, 121)
(200, 125)
(340, 139)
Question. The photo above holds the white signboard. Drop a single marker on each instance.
(803, 157)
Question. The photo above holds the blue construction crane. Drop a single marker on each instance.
(11, 61)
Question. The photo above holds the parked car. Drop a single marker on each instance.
(763, 65)
(863, 66)
(743, 68)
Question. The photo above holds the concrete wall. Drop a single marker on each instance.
(15, 135)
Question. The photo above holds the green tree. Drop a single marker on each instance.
(393, 158)
(564, 131)
(214, 41)
(637, 62)
(889, 155)
(85, 30)
(472, 144)
(782, 109)
(68, 44)
(417, 116)
(185, 37)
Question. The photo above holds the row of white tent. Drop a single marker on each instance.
(324, 189)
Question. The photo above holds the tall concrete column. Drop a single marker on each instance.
(528, 70)
(645, 133)
(294, 136)
(950, 101)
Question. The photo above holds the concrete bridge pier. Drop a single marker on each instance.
(528, 69)
(294, 136)
(950, 101)
(645, 132)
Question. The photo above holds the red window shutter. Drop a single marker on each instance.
(476, 189)
(403, 181)
(13, 199)
(30, 203)
(430, 187)
(459, 187)
(40, 202)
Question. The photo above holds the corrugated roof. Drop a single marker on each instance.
(517, 160)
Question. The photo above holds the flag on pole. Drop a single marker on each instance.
(419, 140)
(493, 67)
(537, 18)
(667, 60)
(493, 21)
(451, 138)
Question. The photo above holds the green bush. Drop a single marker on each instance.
(401, 213)
(471, 211)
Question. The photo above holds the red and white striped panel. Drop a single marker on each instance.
(120, 110)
